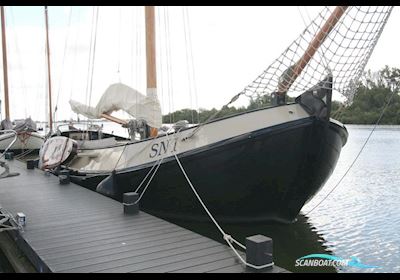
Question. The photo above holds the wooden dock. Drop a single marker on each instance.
(72, 229)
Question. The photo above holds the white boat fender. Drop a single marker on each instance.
(56, 151)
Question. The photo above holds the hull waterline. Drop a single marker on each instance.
(263, 175)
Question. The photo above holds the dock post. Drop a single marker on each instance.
(9, 155)
(259, 251)
(31, 164)
(64, 177)
(130, 207)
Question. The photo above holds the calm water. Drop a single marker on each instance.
(361, 218)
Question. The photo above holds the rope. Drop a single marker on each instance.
(358, 154)
(212, 116)
(228, 238)
(5, 217)
(94, 55)
(63, 60)
(188, 68)
(23, 154)
(119, 44)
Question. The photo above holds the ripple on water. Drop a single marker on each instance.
(361, 217)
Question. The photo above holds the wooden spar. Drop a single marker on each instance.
(150, 63)
(150, 48)
(48, 68)
(151, 55)
(5, 72)
(113, 119)
(295, 70)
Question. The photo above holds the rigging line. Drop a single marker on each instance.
(119, 44)
(169, 64)
(156, 163)
(63, 61)
(228, 238)
(90, 56)
(138, 58)
(132, 49)
(75, 55)
(192, 64)
(167, 97)
(323, 58)
(187, 62)
(159, 41)
(19, 63)
(359, 153)
(93, 54)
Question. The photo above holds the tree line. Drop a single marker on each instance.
(371, 96)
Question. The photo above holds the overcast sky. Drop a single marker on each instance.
(214, 52)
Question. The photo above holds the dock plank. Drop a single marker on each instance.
(72, 229)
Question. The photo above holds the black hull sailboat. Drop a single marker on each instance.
(257, 166)
(264, 175)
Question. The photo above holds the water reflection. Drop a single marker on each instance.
(5, 266)
(291, 241)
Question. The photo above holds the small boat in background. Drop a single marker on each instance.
(28, 138)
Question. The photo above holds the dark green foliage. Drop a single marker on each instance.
(370, 99)
(368, 103)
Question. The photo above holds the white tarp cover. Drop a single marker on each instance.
(122, 97)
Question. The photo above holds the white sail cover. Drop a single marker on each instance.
(122, 97)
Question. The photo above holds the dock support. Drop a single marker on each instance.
(64, 177)
(31, 164)
(259, 251)
(130, 207)
(9, 155)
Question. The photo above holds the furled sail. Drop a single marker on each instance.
(122, 97)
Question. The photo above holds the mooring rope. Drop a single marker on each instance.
(5, 217)
(228, 238)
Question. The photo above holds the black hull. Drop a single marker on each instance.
(266, 175)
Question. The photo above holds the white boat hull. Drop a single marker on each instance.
(25, 141)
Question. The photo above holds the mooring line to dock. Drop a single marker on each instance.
(359, 153)
(5, 217)
(228, 238)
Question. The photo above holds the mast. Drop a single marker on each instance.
(150, 48)
(291, 74)
(48, 68)
(151, 56)
(4, 45)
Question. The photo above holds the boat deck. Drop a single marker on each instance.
(72, 229)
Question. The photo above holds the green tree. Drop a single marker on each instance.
(369, 100)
